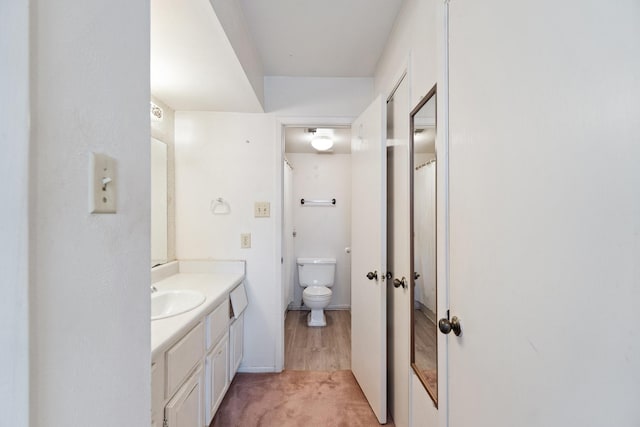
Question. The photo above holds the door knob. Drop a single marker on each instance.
(372, 275)
(416, 275)
(397, 283)
(445, 325)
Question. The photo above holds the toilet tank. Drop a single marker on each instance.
(316, 271)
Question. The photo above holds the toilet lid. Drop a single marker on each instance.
(317, 291)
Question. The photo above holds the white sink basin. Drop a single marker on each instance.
(171, 303)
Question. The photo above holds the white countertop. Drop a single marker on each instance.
(214, 285)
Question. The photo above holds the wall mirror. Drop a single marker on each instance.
(159, 208)
(424, 349)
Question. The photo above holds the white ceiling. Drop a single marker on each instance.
(298, 140)
(194, 65)
(320, 38)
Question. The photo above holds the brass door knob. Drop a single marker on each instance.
(445, 325)
(397, 283)
(372, 275)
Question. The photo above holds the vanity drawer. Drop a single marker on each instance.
(183, 356)
(217, 323)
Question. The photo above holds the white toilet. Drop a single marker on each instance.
(316, 276)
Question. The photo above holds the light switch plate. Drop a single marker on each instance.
(102, 184)
(262, 209)
(245, 240)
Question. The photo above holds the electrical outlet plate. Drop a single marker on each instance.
(102, 184)
(262, 209)
(245, 240)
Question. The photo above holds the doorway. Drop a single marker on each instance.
(367, 253)
(316, 224)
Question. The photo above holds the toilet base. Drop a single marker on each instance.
(316, 318)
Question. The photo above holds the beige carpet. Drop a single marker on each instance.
(295, 398)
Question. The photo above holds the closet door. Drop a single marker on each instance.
(369, 256)
(398, 252)
(545, 213)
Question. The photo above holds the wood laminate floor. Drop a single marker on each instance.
(318, 349)
(426, 347)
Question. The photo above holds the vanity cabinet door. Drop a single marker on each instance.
(185, 409)
(236, 337)
(217, 377)
(157, 391)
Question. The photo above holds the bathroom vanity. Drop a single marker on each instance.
(196, 354)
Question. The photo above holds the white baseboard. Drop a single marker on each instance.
(331, 307)
(257, 369)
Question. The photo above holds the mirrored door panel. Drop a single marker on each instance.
(424, 349)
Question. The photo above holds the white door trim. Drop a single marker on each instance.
(442, 150)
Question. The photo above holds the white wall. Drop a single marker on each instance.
(323, 232)
(164, 130)
(89, 309)
(14, 224)
(214, 159)
(232, 19)
(317, 96)
(414, 34)
(545, 213)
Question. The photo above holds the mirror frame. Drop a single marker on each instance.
(431, 94)
(165, 229)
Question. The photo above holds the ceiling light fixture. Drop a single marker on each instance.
(322, 143)
(322, 139)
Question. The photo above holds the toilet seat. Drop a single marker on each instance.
(316, 292)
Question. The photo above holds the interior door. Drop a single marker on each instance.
(544, 214)
(398, 253)
(368, 242)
